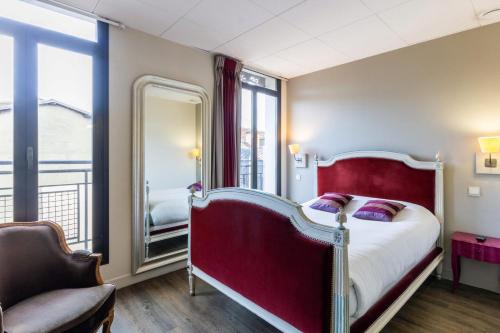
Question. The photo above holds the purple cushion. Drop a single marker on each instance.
(379, 210)
(331, 202)
(196, 186)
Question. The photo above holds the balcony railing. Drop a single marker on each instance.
(64, 196)
(246, 174)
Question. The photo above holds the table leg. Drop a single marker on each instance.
(455, 266)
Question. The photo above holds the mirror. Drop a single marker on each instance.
(170, 157)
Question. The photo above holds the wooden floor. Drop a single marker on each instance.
(163, 305)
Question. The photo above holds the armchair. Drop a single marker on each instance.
(45, 287)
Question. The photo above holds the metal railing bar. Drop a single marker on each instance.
(61, 191)
(53, 162)
(85, 212)
(53, 171)
(55, 185)
(62, 202)
(65, 162)
(64, 170)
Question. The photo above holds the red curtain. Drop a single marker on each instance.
(226, 123)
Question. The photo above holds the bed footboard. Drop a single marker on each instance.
(262, 251)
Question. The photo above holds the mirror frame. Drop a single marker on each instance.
(141, 264)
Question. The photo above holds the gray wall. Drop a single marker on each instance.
(436, 96)
(170, 135)
(133, 54)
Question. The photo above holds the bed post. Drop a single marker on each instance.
(316, 164)
(439, 207)
(191, 277)
(340, 320)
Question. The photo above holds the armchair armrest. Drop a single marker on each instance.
(81, 255)
(87, 265)
(82, 266)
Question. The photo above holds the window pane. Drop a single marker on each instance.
(66, 23)
(65, 142)
(266, 142)
(246, 139)
(6, 128)
(257, 79)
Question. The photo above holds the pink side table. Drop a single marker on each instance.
(466, 245)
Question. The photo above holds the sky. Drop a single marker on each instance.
(62, 75)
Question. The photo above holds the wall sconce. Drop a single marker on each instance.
(196, 153)
(300, 158)
(487, 161)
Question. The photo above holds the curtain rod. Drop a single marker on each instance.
(75, 10)
(253, 69)
(259, 71)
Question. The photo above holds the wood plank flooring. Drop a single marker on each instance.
(163, 305)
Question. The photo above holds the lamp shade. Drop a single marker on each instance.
(195, 152)
(294, 148)
(490, 144)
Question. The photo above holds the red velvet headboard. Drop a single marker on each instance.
(380, 178)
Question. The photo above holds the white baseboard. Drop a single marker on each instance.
(126, 280)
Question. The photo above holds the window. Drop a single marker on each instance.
(260, 132)
(54, 122)
(51, 18)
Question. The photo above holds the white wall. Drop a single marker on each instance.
(436, 96)
(170, 135)
(133, 54)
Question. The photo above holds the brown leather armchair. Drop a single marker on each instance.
(45, 287)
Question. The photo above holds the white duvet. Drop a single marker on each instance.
(380, 253)
(169, 206)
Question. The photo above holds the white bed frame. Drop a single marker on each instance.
(337, 236)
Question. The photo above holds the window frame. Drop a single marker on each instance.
(254, 89)
(25, 103)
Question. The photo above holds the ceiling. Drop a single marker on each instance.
(294, 37)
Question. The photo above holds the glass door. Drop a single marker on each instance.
(260, 133)
(246, 145)
(65, 142)
(6, 129)
(267, 142)
(54, 122)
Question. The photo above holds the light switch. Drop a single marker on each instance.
(474, 191)
(298, 177)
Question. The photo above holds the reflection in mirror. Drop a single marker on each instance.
(171, 157)
(172, 166)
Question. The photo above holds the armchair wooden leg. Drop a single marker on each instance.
(106, 325)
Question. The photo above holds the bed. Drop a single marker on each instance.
(166, 214)
(298, 269)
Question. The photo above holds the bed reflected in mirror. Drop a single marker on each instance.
(170, 168)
